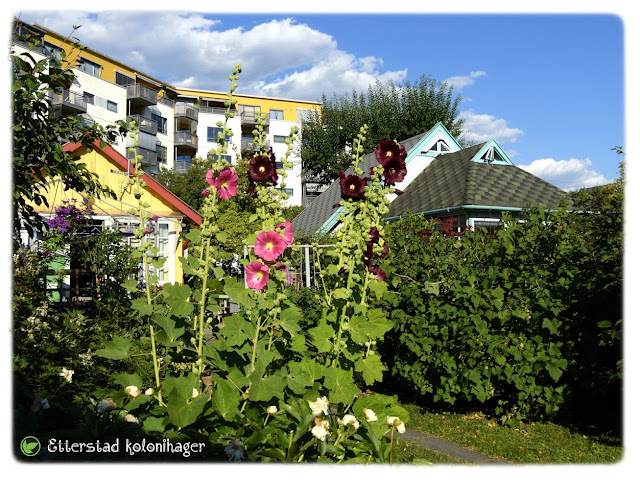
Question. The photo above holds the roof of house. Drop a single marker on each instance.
(458, 179)
(153, 185)
(320, 210)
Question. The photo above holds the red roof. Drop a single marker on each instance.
(154, 186)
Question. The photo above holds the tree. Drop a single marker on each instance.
(390, 112)
(38, 136)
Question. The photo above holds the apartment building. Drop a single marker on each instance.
(176, 125)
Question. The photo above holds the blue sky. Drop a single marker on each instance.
(549, 88)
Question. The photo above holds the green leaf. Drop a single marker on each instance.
(265, 388)
(184, 412)
(289, 319)
(298, 378)
(342, 293)
(115, 349)
(374, 327)
(371, 368)
(141, 305)
(341, 385)
(154, 424)
(226, 399)
(238, 293)
(322, 336)
(169, 327)
(126, 379)
(177, 297)
(131, 285)
(236, 330)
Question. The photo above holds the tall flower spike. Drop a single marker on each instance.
(269, 245)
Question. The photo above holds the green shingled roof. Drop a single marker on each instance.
(453, 180)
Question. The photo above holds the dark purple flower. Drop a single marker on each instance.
(352, 186)
(388, 150)
(261, 168)
(394, 171)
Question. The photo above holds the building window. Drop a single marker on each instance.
(279, 138)
(161, 121)
(276, 114)
(89, 98)
(279, 165)
(212, 134)
(123, 80)
(53, 52)
(162, 243)
(113, 106)
(288, 191)
(87, 66)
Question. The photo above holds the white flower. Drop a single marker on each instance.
(350, 420)
(67, 374)
(106, 405)
(194, 393)
(370, 415)
(320, 430)
(148, 392)
(130, 418)
(235, 450)
(321, 405)
(272, 410)
(396, 423)
(44, 404)
(132, 391)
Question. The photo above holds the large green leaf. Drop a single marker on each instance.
(267, 387)
(341, 386)
(322, 336)
(115, 349)
(238, 293)
(371, 368)
(226, 399)
(178, 296)
(371, 327)
(184, 412)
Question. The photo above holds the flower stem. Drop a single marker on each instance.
(203, 302)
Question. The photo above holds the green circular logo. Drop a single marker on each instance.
(30, 446)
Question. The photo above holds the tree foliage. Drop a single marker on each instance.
(390, 111)
(38, 137)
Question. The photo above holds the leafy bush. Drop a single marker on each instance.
(497, 318)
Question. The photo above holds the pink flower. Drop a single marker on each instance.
(257, 274)
(209, 177)
(269, 245)
(285, 269)
(154, 218)
(148, 230)
(205, 192)
(286, 229)
(226, 183)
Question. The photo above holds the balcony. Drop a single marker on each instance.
(213, 110)
(186, 110)
(68, 103)
(250, 118)
(247, 144)
(144, 124)
(182, 165)
(161, 153)
(141, 95)
(149, 157)
(186, 139)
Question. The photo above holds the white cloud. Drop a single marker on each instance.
(571, 174)
(461, 81)
(480, 128)
(278, 57)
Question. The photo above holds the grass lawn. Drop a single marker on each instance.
(531, 443)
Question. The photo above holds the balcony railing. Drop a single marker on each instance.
(166, 101)
(247, 144)
(162, 153)
(251, 118)
(186, 110)
(213, 110)
(145, 124)
(185, 139)
(69, 103)
(182, 165)
(149, 157)
(141, 94)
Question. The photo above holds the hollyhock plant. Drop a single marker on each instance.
(286, 230)
(269, 245)
(389, 150)
(395, 170)
(226, 183)
(352, 186)
(257, 275)
(285, 269)
(261, 168)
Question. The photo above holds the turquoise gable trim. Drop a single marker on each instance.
(492, 143)
(331, 221)
(428, 139)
